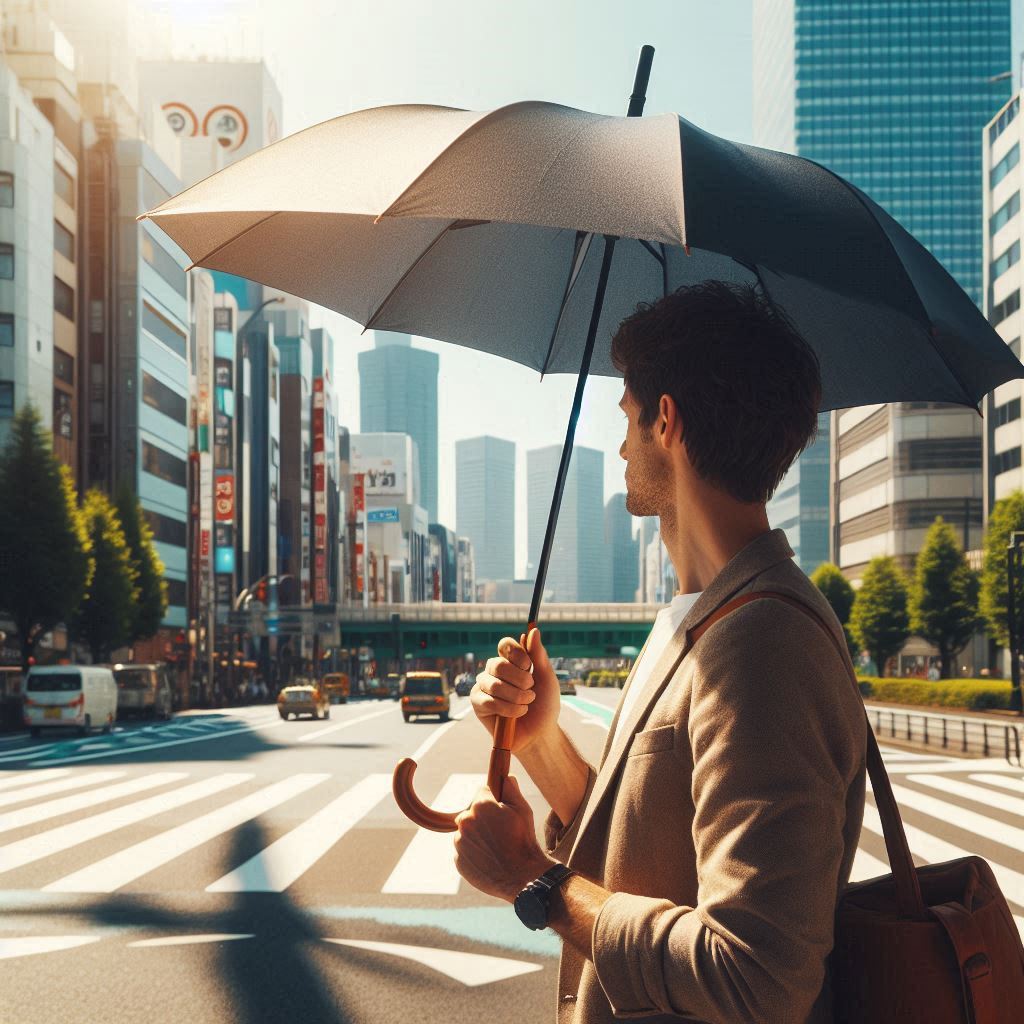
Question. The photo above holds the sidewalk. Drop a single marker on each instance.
(995, 715)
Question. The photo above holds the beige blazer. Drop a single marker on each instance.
(724, 817)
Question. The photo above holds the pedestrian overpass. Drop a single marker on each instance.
(448, 630)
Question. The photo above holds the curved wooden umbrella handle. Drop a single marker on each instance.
(442, 821)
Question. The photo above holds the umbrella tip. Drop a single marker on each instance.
(141, 217)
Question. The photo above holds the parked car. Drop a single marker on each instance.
(144, 690)
(464, 684)
(394, 685)
(336, 686)
(566, 686)
(79, 696)
(426, 693)
(303, 699)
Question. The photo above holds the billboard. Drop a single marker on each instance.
(385, 460)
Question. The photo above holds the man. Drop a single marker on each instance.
(708, 850)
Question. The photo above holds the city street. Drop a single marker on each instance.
(228, 866)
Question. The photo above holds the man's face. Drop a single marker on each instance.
(649, 489)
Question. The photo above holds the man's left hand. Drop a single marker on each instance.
(496, 848)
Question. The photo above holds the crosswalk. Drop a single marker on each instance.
(100, 813)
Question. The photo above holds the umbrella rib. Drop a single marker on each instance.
(408, 270)
(662, 258)
(234, 238)
(580, 250)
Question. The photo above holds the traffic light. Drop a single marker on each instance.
(423, 643)
(261, 591)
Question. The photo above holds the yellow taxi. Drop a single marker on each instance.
(303, 699)
(337, 687)
(426, 693)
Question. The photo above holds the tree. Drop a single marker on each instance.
(104, 621)
(944, 595)
(879, 620)
(45, 560)
(1006, 516)
(835, 587)
(151, 605)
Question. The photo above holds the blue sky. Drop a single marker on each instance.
(481, 55)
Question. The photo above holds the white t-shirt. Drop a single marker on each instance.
(666, 623)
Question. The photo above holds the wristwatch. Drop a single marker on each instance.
(533, 902)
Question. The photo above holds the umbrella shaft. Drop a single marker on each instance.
(570, 434)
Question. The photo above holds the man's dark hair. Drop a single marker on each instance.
(747, 385)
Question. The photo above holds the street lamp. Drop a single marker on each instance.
(1013, 576)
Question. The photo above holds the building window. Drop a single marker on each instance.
(163, 330)
(1004, 214)
(1003, 462)
(63, 298)
(1003, 168)
(159, 396)
(1004, 119)
(164, 264)
(176, 593)
(167, 530)
(6, 330)
(164, 465)
(1003, 309)
(63, 366)
(63, 241)
(1007, 412)
(924, 455)
(64, 185)
(1003, 263)
(63, 419)
(6, 261)
(6, 399)
(6, 189)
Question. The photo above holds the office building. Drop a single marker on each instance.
(622, 548)
(443, 581)
(327, 509)
(485, 490)
(466, 571)
(907, 134)
(398, 395)
(26, 255)
(1003, 234)
(44, 62)
(578, 570)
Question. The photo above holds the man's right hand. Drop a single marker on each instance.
(507, 688)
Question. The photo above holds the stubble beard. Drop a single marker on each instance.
(648, 489)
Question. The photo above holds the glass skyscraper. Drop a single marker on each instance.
(398, 395)
(892, 95)
(485, 503)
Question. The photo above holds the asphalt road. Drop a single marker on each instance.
(230, 867)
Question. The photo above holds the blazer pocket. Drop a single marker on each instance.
(653, 740)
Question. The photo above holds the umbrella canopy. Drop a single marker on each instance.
(475, 228)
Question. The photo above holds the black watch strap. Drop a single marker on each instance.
(532, 905)
(553, 877)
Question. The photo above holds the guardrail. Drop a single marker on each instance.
(950, 732)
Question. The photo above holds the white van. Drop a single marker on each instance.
(82, 696)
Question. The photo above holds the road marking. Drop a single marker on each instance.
(593, 713)
(60, 786)
(1013, 785)
(29, 946)
(80, 801)
(472, 969)
(906, 755)
(979, 794)
(867, 866)
(428, 864)
(187, 940)
(126, 865)
(970, 821)
(43, 844)
(23, 778)
(281, 863)
(151, 746)
(343, 725)
(422, 749)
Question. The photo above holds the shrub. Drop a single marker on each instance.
(973, 694)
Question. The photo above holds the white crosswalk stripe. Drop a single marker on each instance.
(281, 863)
(979, 794)
(111, 873)
(54, 840)
(58, 786)
(428, 864)
(24, 778)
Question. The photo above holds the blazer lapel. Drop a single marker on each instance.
(765, 551)
(622, 697)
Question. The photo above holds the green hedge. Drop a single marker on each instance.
(606, 677)
(974, 694)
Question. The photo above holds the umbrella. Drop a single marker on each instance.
(532, 230)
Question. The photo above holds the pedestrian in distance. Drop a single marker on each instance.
(695, 872)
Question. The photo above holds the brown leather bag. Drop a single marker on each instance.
(929, 945)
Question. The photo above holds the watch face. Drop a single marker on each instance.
(532, 909)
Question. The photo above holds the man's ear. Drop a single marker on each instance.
(670, 423)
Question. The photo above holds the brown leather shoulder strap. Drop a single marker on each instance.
(972, 959)
(908, 888)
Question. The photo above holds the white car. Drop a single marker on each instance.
(62, 696)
